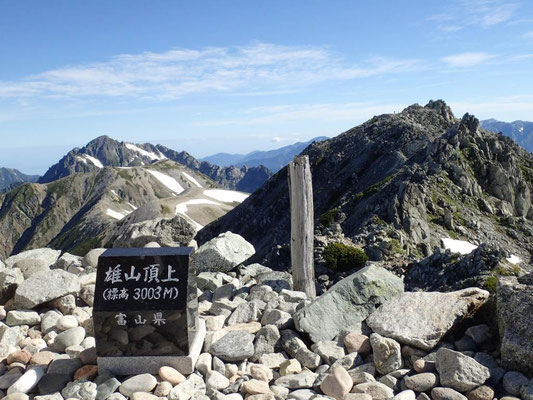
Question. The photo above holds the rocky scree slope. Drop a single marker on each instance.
(379, 343)
(397, 185)
(105, 151)
(88, 210)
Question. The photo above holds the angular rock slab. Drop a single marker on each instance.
(46, 255)
(223, 253)
(459, 371)
(421, 319)
(515, 322)
(348, 303)
(46, 286)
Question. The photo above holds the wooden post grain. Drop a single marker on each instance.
(302, 225)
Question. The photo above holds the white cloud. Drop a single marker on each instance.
(278, 139)
(481, 13)
(172, 74)
(528, 35)
(466, 59)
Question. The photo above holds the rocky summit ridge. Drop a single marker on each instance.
(399, 184)
(365, 338)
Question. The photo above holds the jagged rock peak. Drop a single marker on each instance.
(442, 108)
(470, 122)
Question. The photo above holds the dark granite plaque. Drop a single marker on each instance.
(145, 302)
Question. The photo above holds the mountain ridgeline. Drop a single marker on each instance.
(274, 160)
(105, 151)
(112, 206)
(397, 185)
(10, 178)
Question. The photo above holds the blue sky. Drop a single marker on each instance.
(236, 76)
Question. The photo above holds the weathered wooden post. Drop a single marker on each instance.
(302, 225)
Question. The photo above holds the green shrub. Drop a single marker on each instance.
(329, 217)
(491, 283)
(340, 257)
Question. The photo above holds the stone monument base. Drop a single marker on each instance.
(151, 364)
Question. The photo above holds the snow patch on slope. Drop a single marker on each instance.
(149, 154)
(514, 259)
(458, 246)
(95, 161)
(168, 181)
(190, 178)
(117, 214)
(182, 209)
(226, 196)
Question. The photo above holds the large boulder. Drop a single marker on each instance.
(43, 287)
(10, 279)
(459, 371)
(348, 303)
(515, 322)
(172, 232)
(223, 253)
(47, 256)
(91, 258)
(421, 319)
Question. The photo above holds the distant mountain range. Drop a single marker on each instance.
(521, 131)
(274, 160)
(10, 178)
(110, 205)
(107, 152)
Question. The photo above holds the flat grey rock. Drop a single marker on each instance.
(421, 319)
(349, 302)
(47, 256)
(234, 346)
(43, 287)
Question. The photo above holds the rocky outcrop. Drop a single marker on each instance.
(172, 232)
(421, 319)
(515, 311)
(444, 270)
(353, 299)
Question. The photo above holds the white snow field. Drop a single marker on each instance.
(150, 155)
(116, 214)
(168, 181)
(226, 196)
(95, 161)
(458, 246)
(190, 178)
(182, 209)
(514, 259)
